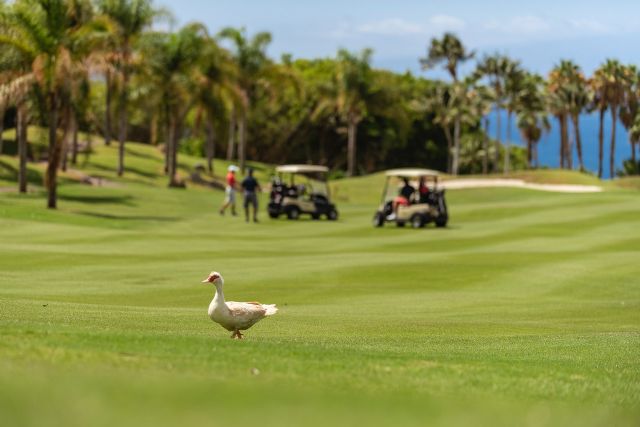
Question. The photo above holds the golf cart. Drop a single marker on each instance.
(311, 196)
(421, 208)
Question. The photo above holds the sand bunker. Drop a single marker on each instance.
(518, 183)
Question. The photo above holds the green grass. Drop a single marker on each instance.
(525, 311)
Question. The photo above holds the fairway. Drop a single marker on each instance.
(524, 311)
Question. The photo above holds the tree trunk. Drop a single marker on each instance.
(54, 154)
(576, 129)
(107, 112)
(496, 155)
(211, 144)
(601, 143)
(529, 154)
(177, 136)
(456, 146)
(65, 144)
(507, 146)
(122, 119)
(1, 127)
(449, 138)
(171, 142)
(612, 153)
(21, 133)
(569, 153)
(232, 136)
(153, 131)
(87, 150)
(485, 147)
(167, 140)
(242, 142)
(74, 139)
(352, 130)
(563, 139)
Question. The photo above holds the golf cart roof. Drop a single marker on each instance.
(411, 172)
(302, 169)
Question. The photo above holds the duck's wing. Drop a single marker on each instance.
(247, 311)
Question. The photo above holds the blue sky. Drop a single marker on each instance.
(537, 33)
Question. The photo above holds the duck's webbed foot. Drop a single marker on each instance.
(236, 334)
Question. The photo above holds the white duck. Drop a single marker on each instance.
(235, 316)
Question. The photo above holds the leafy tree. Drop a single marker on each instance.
(254, 70)
(532, 114)
(611, 82)
(129, 19)
(173, 60)
(630, 110)
(55, 37)
(451, 52)
(495, 68)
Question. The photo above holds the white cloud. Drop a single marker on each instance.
(390, 27)
(523, 25)
(400, 27)
(589, 26)
(446, 22)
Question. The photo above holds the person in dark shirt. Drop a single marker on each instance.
(407, 190)
(250, 186)
(403, 198)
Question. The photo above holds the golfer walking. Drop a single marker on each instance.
(230, 191)
(250, 188)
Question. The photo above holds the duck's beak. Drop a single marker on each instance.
(206, 280)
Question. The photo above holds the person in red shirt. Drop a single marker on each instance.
(230, 191)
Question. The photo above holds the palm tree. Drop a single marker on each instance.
(353, 90)
(558, 100)
(253, 68)
(630, 110)
(217, 92)
(569, 97)
(53, 36)
(532, 114)
(513, 84)
(495, 67)
(15, 90)
(172, 59)
(598, 101)
(129, 18)
(437, 101)
(612, 80)
(450, 51)
(578, 97)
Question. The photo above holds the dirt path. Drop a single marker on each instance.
(518, 183)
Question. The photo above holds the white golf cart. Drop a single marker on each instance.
(420, 208)
(301, 189)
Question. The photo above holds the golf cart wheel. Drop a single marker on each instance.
(332, 215)
(273, 215)
(378, 220)
(293, 213)
(400, 223)
(315, 216)
(417, 221)
(441, 221)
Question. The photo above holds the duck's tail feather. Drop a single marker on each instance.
(271, 309)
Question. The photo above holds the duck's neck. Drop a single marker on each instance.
(219, 296)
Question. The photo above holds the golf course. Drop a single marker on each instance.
(525, 310)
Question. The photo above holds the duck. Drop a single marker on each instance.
(235, 316)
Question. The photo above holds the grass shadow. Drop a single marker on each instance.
(99, 200)
(112, 171)
(10, 173)
(129, 217)
(134, 153)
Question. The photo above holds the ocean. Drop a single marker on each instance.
(549, 145)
